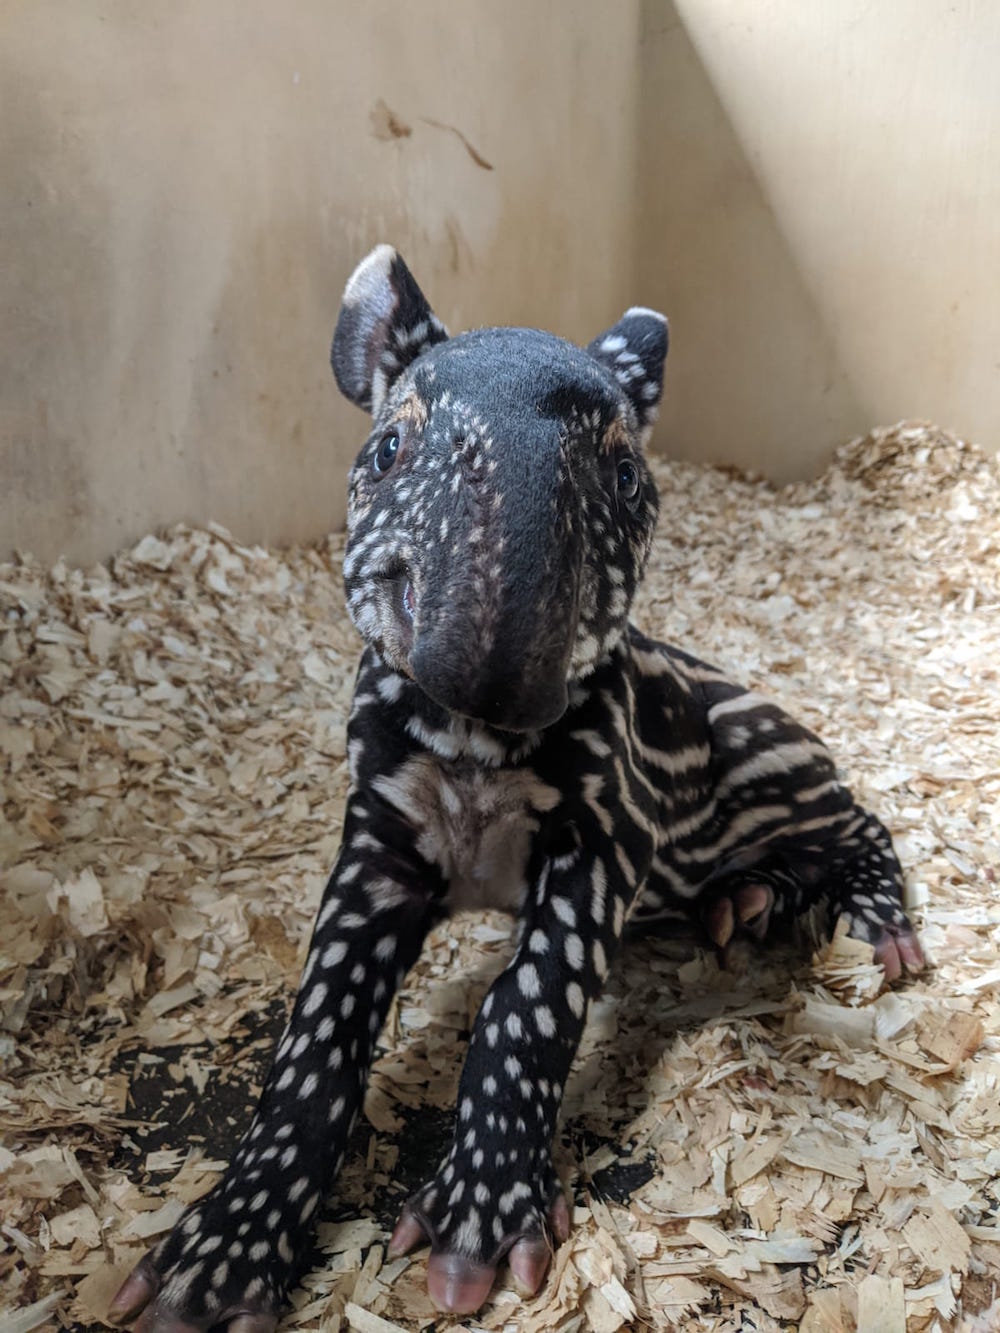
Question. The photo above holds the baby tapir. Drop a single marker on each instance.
(513, 742)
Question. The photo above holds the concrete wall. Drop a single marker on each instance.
(188, 186)
(809, 190)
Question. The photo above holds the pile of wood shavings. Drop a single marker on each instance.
(779, 1148)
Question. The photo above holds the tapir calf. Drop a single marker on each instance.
(514, 743)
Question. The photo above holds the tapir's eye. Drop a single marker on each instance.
(385, 454)
(628, 479)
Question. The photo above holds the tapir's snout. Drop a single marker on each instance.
(494, 636)
(506, 693)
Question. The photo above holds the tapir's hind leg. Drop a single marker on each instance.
(857, 875)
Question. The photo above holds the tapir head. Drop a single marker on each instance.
(500, 512)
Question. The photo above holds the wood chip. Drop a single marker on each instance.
(952, 1037)
(32, 1316)
(938, 1241)
(78, 1224)
(755, 1158)
(819, 1153)
(881, 1306)
(173, 775)
(366, 1322)
(711, 1237)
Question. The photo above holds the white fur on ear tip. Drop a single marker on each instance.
(645, 310)
(370, 280)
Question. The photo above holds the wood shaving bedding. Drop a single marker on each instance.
(779, 1147)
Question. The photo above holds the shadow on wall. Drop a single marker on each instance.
(754, 377)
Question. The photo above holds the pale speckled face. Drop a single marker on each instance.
(500, 512)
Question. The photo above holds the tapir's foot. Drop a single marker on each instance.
(749, 909)
(882, 923)
(510, 1224)
(139, 1299)
(745, 910)
(225, 1265)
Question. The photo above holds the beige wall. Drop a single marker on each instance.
(188, 186)
(818, 210)
(809, 190)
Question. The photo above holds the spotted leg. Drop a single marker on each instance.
(496, 1192)
(232, 1255)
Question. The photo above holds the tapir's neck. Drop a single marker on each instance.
(452, 736)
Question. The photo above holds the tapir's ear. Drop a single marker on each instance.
(385, 322)
(634, 350)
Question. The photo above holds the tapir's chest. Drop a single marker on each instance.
(478, 825)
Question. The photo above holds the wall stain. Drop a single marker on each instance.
(386, 124)
(477, 157)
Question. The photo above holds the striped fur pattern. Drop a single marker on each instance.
(514, 743)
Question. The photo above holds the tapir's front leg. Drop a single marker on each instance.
(232, 1255)
(496, 1191)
